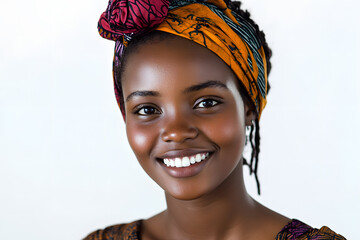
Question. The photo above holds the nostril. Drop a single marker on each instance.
(179, 134)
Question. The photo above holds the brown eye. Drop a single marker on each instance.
(147, 110)
(207, 103)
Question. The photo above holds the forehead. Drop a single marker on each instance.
(173, 62)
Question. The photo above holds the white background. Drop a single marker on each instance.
(66, 168)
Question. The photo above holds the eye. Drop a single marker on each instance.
(146, 110)
(207, 103)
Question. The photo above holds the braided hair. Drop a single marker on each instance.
(254, 135)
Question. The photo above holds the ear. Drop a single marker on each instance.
(250, 115)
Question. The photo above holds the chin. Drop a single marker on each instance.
(181, 190)
(218, 186)
(185, 194)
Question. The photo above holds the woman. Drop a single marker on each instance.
(190, 77)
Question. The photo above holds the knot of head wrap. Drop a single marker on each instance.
(131, 17)
(207, 22)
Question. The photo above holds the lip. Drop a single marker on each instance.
(182, 153)
(184, 172)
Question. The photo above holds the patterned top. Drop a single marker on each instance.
(294, 230)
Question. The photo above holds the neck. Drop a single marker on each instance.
(225, 210)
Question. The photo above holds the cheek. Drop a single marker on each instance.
(140, 139)
(228, 130)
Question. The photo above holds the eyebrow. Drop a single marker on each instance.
(208, 84)
(142, 94)
(194, 88)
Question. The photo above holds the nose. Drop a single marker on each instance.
(178, 129)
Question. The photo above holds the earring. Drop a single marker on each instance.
(247, 132)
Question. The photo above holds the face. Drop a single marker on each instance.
(183, 108)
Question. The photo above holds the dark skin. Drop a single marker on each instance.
(180, 99)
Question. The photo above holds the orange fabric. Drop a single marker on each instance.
(200, 24)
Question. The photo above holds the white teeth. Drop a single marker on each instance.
(198, 158)
(178, 162)
(185, 161)
(172, 163)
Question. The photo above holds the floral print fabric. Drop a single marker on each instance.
(294, 230)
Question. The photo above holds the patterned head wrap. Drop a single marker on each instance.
(207, 22)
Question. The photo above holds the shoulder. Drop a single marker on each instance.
(297, 230)
(128, 231)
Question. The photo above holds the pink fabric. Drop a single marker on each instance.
(128, 18)
(131, 16)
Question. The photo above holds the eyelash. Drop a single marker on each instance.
(140, 110)
(217, 102)
(143, 107)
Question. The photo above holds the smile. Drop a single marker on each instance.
(185, 161)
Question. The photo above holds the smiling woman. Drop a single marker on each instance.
(190, 77)
(192, 92)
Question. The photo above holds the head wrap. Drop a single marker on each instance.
(207, 22)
